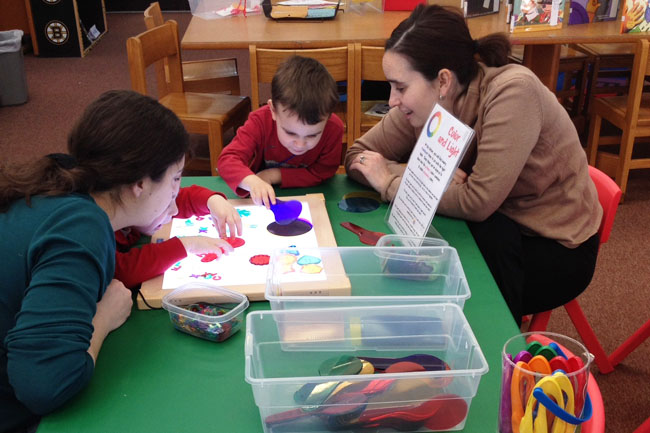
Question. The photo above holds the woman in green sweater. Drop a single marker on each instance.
(523, 185)
(58, 216)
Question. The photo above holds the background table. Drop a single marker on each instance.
(152, 378)
(542, 53)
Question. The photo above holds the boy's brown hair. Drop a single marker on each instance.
(304, 86)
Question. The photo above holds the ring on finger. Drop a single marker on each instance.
(362, 159)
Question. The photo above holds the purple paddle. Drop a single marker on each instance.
(286, 212)
(429, 362)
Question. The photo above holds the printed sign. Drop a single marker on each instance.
(432, 164)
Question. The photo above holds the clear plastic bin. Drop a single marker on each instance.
(208, 312)
(289, 352)
(365, 276)
(212, 9)
(392, 240)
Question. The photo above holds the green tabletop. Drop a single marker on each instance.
(152, 378)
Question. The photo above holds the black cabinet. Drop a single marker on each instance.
(66, 28)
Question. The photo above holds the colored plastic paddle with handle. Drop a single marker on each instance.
(429, 362)
(365, 236)
(343, 405)
(286, 212)
(441, 413)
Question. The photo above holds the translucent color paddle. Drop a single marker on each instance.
(312, 394)
(348, 364)
(343, 406)
(404, 367)
(441, 413)
(429, 362)
(286, 212)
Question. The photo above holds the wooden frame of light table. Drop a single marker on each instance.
(153, 292)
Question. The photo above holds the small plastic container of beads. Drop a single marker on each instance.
(208, 312)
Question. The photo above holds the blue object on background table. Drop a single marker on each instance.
(360, 201)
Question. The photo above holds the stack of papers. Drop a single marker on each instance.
(319, 9)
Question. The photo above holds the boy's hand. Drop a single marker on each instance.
(224, 214)
(272, 176)
(261, 191)
(205, 245)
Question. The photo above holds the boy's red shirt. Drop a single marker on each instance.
(256, 147)
(135, 265)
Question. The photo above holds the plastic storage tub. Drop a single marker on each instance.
(392, 240)
(211, 9)
(208, 312)
(288, 352)
(365, 276)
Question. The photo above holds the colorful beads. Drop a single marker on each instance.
(206, 329)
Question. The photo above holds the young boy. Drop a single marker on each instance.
(135, 265)
(293, 141)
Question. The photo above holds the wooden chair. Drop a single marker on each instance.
(368, 67)
(609, 195)
(201, 113)
(339, 61)
(203, 76)
(611, 69)
(631, 114)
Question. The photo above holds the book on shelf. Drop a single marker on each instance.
(591, 11)
(475, 8)
(635, 17)
(535, 15)
(379, 109)
(608, 10)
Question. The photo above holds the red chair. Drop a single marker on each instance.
(609, 195)
(643, 428)
(632, 342)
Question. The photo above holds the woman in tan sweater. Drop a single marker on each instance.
(523, 184)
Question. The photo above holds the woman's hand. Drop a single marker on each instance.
(112, 311)
(460, 177)
(115, 306)
(224, 214)
(261, 191)
(205, 245)
(374, 168)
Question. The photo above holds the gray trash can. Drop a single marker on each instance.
(13, 87)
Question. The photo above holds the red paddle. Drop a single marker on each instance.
(441, 413)
(404, 367)
(452, 412)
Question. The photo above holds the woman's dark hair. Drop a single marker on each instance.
(121, 138)
(436, 37)
(304, 86)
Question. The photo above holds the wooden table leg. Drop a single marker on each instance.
(544, 60)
